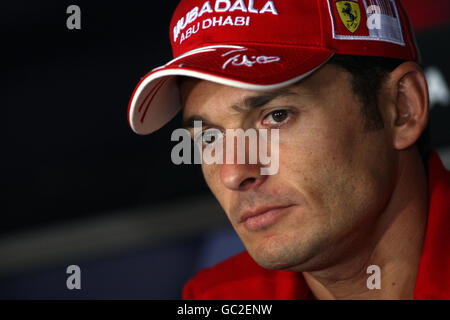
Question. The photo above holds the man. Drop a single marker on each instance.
(356, 192)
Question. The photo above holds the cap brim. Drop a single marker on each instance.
(156, 99)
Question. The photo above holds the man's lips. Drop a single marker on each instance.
(262, 217)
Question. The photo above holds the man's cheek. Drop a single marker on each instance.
(299, 163)
(210, 175)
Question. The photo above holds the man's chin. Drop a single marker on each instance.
(277, 260)
(280, 254)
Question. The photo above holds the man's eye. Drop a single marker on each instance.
(276, 117)
(208, 137)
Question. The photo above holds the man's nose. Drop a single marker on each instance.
(241, 177)
(241, 171)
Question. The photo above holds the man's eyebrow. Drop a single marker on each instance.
(249, 103)
(189, 122)
(261, 100)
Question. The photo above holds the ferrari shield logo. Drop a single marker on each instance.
(350, 14)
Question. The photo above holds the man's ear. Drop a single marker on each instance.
(410, 98)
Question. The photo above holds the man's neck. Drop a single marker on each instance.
(395, 245)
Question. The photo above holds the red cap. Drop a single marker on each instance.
(265, 45)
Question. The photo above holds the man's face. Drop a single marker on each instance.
(334, 176)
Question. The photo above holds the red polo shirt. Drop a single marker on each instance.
(239, 277)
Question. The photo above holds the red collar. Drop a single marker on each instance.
(433, 277)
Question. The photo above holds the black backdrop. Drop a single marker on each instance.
(70, 152)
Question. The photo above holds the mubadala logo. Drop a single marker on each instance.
(221, 6)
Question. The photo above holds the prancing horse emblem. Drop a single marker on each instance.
(350, 14)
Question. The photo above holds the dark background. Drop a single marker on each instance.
(71, 157)
(70, 150)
